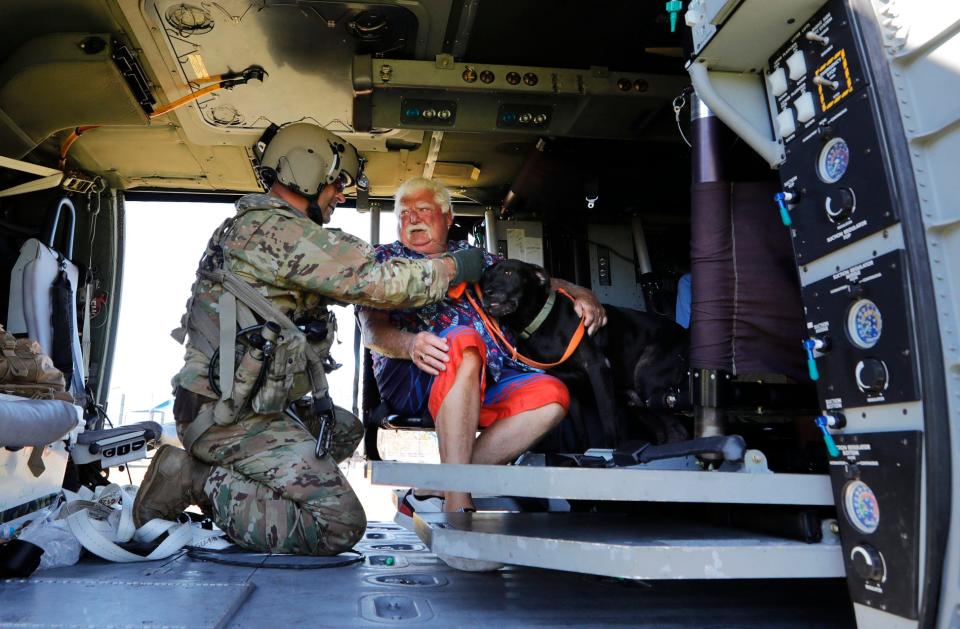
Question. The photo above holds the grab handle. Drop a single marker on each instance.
(64, 203)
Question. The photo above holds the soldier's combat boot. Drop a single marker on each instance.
(173, 482)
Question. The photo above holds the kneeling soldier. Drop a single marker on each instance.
(258, 334)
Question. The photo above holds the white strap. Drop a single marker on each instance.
(100, 534)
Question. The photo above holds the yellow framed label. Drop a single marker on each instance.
(832, 67)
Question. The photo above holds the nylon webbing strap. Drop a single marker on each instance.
(100, 535)
(195, 429)
(228, 339)
(258, 303)
(243, 299)
(245, 317)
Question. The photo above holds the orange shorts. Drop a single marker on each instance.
(515, 392)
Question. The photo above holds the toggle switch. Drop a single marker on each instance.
(821, 80)
(823, 40)
(805, 107)
(797, 65)
(777, 81)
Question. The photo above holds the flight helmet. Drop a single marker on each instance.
(305, 157)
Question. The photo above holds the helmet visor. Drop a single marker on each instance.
(350, 165)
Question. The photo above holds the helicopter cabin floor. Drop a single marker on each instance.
(401, 583)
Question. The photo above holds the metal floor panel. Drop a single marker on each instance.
(71, 602)
(623, 547)
(512, 597)
(608, 484)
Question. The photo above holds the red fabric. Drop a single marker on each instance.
(513, 395)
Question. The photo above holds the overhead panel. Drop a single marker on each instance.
(448, 95)
(305, 48)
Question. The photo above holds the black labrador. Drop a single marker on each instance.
(641, 355)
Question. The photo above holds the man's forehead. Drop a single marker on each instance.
(419, 198)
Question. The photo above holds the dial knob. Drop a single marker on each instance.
(839, 204)
(872, 375)
(868, 563)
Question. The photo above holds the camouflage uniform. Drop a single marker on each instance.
(268, 489)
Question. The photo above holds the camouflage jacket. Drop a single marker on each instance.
(300, 267)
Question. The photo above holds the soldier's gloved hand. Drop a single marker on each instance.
(469, 265)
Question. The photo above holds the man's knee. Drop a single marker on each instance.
(555, 413)
(341, 523)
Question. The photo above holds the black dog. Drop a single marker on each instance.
(642, 355)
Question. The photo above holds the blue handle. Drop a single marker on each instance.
(781, 200)
(810, 345)
(827, 437)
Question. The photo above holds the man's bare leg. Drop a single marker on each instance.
(457, 421)
(510, 437)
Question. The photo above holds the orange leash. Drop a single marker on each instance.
(516, 355)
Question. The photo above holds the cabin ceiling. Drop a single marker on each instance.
(52, 80)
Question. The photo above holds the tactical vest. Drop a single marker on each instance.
(241, 307)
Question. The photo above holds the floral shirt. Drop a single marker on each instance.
(445, 314)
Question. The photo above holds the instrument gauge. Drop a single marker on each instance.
(864, 323)
(861, 507)
(833, 160)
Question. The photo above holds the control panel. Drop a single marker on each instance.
(612, 274)
(480, 97)
(879, 517)
(860, 315)
(113, 446)
(838, 201)
(834, 178)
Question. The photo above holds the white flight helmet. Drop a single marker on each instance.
(305, 157)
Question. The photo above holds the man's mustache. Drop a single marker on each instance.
(408, 231)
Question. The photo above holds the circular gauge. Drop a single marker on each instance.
(833, 161)
(861, 506)
(864, 323)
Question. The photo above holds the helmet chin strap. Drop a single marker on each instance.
(314, 211)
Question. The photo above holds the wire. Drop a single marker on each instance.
(69, 141)
(678, 104)
(309, 563)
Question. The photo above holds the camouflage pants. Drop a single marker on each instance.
(269, 491)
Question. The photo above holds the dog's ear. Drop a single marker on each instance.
(542, 276)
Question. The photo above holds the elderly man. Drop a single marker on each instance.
(440, 358)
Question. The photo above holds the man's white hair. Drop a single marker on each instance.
(411, 186)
